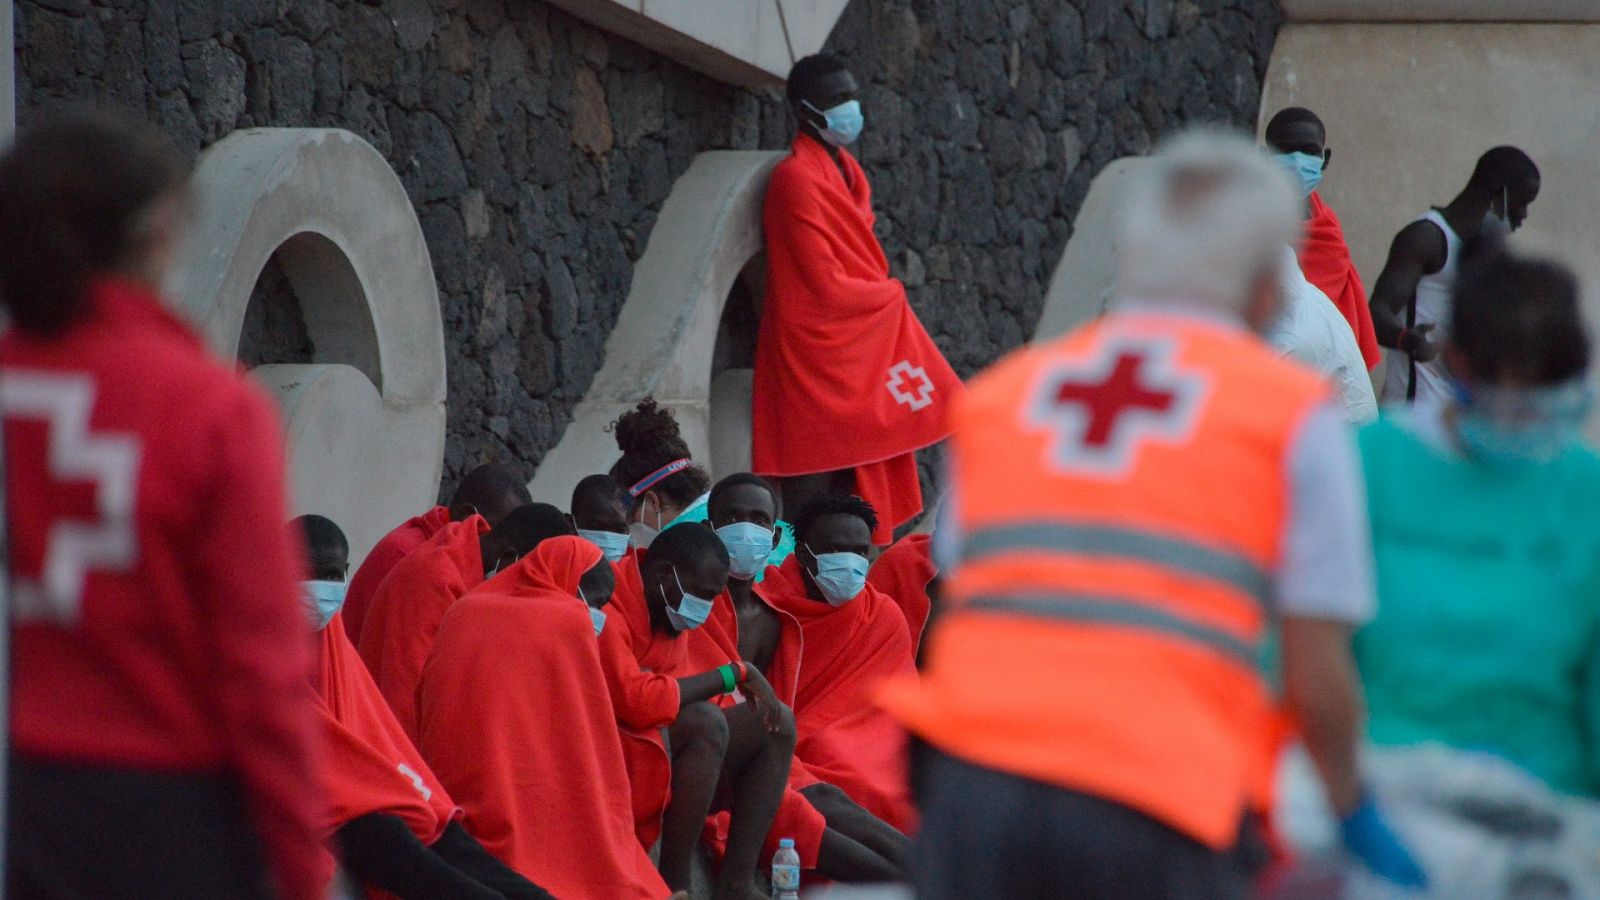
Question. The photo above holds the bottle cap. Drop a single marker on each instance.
(786, 843)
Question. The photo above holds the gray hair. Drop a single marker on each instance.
(1204, 222)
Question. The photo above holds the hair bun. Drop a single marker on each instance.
(648, 430)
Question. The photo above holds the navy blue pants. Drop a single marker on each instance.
(993, 835)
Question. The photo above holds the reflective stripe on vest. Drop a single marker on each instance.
(1182, 556)
(1125, 611)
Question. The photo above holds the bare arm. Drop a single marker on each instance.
(1417, 251)
(1323, 693)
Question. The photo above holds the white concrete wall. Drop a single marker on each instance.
(1080, 288)
(746, 42)
(1410, 107)
(709, 228)
(366, 422)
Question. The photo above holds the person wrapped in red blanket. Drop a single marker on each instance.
(738, 755)
(1300, 139)
(396, 829)
(409, 605)
(517, 724)
(855, 639)
(834, 835)
(491, 490)
(839, 351)
(905, 572)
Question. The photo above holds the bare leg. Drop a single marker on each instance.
(699, 741)
(849, 862)
(755, 772)
(854, 821)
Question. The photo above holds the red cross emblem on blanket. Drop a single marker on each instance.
(910, 385)
(1104, 407)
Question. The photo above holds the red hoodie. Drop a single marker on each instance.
(159, 625)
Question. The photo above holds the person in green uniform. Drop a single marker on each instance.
(1485, 513)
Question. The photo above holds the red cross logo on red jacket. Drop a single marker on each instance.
(1105, 406)
(93, 479)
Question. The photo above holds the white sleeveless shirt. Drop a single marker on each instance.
(1433, 307)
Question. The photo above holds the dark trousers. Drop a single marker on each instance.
(993, 835)
(89, 832)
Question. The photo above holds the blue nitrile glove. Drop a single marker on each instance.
(1370, 839)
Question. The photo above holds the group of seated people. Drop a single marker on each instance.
(523, 700)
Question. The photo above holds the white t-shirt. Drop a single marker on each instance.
(1312, 331)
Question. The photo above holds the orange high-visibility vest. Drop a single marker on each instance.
(1121, 498)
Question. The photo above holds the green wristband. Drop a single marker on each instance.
(728, 678)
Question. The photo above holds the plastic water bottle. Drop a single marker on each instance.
(786, 872)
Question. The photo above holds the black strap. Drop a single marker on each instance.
(1411, 361)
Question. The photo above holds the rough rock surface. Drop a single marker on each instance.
(538, 149)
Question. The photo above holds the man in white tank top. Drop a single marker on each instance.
(1411, 301)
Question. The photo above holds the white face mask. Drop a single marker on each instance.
(641, 535)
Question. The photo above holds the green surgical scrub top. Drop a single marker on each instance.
(1488, 605)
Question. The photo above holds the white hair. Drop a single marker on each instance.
(1204, 220)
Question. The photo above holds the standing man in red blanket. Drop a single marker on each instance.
(1299, 141)
(839, 351)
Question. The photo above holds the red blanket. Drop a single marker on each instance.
(642, 670)
(840, 355)
(373, 766)
(407, 609)
(903, 572)
(517, 723)
(849, 652)
(381, 559)
(1325, 260)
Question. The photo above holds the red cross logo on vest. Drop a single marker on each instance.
(1104, 407)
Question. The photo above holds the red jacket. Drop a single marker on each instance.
(158, 618)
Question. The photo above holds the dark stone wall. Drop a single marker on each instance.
(538, 149)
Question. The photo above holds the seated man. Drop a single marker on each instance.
(490, 490)
(517, 724)
(396, 829)
(737, 757)
(854, 639)
(839, 352)
(409, 605)
(599, 516)
(833, 834)
(1299, 139)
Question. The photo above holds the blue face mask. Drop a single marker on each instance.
(1520, 426)
(840, 576)
(322, 599)
(692, 611)
(613, 544)
(842, 123)
(597, 618)
(1304, 167)
(748, 545)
